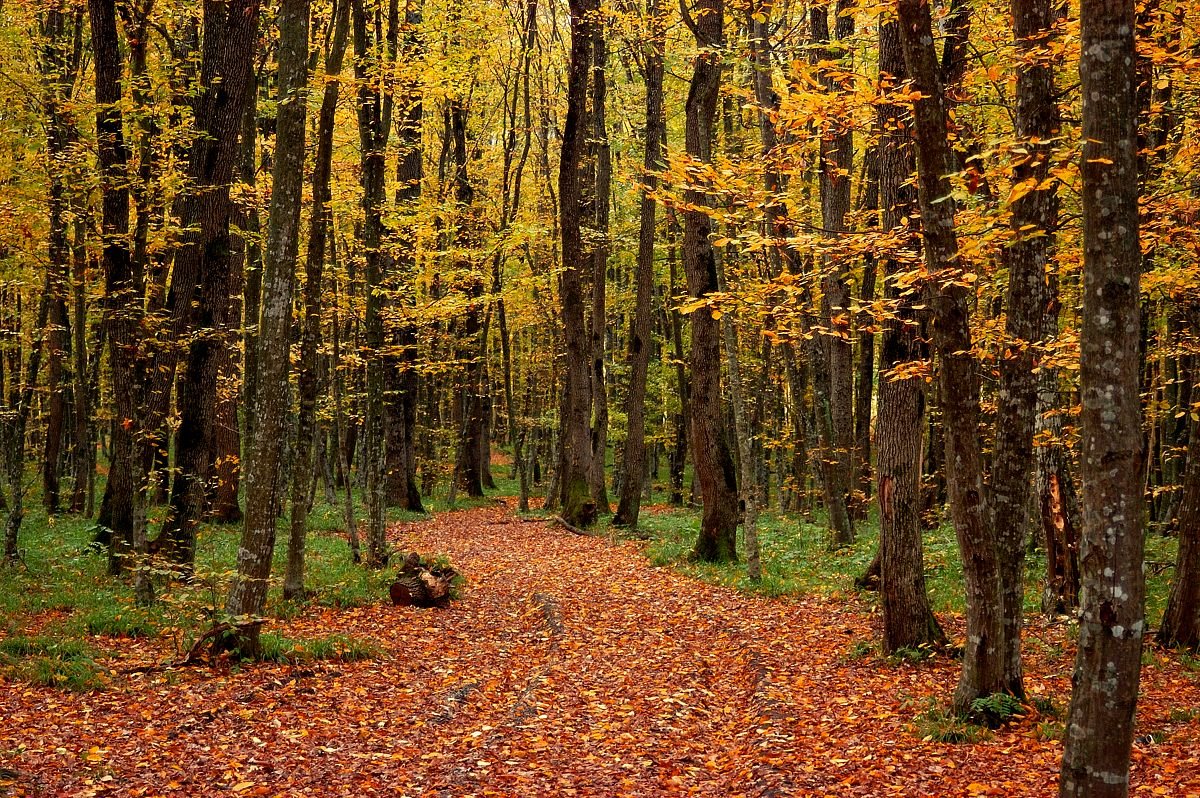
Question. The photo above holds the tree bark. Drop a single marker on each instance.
(983, 662)
(1112, 606)
(1034, 226)
(714, 468)
(575, 445)
(1181, 622)
(320, 222)
(634, 454)
(263, 485)
(908, 621)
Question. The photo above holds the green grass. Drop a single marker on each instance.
(63, 592)
(796, 560)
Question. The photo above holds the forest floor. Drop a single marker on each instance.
(570, 666)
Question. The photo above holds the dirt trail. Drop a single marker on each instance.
(570, 667)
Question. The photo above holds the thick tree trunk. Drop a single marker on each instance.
(713, 461)
(1112, 606)
(198, 300)
(634, 454)
(983, 661)
(575, 445)
(908, 621)
(263, 485)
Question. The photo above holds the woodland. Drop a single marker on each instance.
(524, 397)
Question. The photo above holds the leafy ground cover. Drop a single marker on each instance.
(571, 666)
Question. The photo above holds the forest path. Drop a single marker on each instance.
(569, 667)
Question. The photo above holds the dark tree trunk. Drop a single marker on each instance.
(1181, 621)
(374, 125)
(575, 445)
(123, 303)
(198, 300)
(634, 454)
(602, 164)
(271, 405)
(908, 621)
(983, 662)
(711, 455)
(1058, 505)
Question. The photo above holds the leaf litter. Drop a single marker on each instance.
(571, 667)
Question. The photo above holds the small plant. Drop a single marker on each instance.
(1046, 706)
(910, 655)
(334, 647)
(1050, 730)
(121, 623)
(936, 725)
(995, 710)
(861, 650)
(1184, 715)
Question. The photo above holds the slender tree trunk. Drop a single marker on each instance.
(123, 299)
(1181, 621)
(634, 455)
(1034, 226)
(249, 591)
(374, 125)
(835, 394)
(320, 220)
(602, 164)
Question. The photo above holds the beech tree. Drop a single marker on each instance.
(1112, 601)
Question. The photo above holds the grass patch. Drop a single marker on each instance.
(341, 648)
(74, 675)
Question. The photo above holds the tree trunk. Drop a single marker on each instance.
(835, 393)
(908, 621)
(1181, 621)
(983, 662)
(1034, 225)
(320, 222)
(198, 300)
(634, 455)
(714, 468)
(271, 406)
(575, 445)
(1111, 620)
(602, 164)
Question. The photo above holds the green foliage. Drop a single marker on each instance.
(909, 655)
(937, 725)
(996, 709)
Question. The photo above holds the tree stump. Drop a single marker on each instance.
(421, 583)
